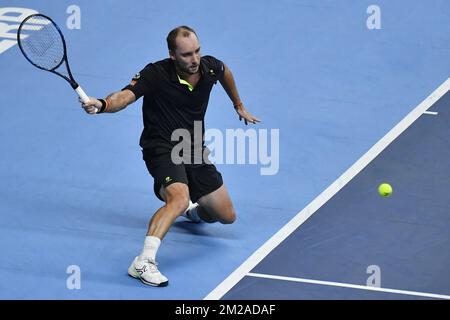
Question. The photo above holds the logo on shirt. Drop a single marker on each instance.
(211, 72)
(135, 79)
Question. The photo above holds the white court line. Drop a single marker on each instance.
(326, 195)
(352, 286)
(431, 112)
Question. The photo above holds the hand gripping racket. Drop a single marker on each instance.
(45, 48)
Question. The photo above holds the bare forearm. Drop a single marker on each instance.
(229, 85)
(114, 102)
(119, 100)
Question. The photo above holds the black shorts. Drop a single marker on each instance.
(201, 179)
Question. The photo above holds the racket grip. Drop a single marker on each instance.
(83, 96)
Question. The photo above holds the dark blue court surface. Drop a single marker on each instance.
(405, 235)
(75, 193)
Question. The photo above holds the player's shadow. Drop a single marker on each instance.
(213, 230)
(199, 229)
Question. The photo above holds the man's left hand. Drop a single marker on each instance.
(244, 114)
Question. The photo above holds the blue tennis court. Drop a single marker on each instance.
(351, 94)
(402, 238)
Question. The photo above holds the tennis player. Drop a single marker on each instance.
(176, 93)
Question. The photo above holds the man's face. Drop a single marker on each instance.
(187, 53)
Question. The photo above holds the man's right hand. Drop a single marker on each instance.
(92, 106)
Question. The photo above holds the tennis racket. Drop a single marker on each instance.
(45, 48)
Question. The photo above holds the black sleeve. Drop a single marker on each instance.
(143, 82)
(215, 65)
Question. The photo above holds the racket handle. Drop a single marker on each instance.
(83, 96)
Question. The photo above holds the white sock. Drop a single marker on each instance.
(151, 245)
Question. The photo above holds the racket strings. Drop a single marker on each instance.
(43, 46)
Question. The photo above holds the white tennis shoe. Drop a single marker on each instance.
(192, 218)
(147, 271)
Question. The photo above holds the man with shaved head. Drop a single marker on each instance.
(176, 93)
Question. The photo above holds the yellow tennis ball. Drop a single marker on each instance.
(385, 190)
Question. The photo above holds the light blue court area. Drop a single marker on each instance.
(334, 77)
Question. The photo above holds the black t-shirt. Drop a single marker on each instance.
(169, 105)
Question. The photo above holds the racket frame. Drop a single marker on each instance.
(75, 86)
